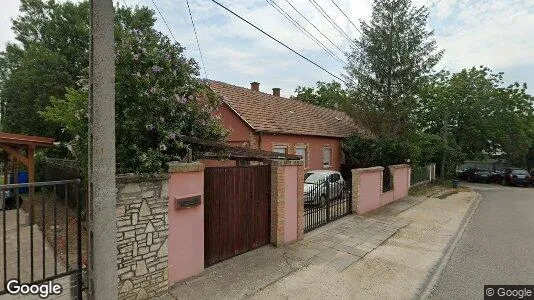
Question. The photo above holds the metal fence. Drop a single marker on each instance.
(325, 201)
(420, 174)
(41, 236)
(387, 180)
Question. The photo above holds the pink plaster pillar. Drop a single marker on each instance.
(291, 199)
(186, 226)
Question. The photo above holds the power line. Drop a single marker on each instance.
(196, 37)
(303, 30)
(346, 16)
(278, 41)
(164, 21)
(324, 35)
(330, 20)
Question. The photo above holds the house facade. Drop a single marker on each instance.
(273, 123)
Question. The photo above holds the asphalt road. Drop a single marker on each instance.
(497, 246)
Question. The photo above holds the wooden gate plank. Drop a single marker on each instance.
(237, 211)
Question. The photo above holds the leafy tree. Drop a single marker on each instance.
(474, 111)
(158, 97)
(369, 152)
(388, 64)
(50, 56)
(326, 94)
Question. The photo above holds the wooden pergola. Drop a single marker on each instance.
(21, 149)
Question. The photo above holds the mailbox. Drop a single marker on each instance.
(188, 202)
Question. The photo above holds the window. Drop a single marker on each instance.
(280, 149)
(301, 150)
(327, 157)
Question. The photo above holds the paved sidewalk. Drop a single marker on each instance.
(332, 248)
(25, 255)
(398, 268)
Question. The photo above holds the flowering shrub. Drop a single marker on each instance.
(158, 96)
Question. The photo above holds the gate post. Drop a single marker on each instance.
(287, 201)
(186, 220)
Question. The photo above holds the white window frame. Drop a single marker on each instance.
(305, 156)
(329, 165)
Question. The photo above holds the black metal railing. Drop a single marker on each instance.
(324, 201)
(419, 174)
(387, 180)
(41, 234)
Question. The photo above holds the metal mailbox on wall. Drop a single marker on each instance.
(188, 202)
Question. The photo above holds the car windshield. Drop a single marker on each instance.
(520, 172)
(314, 177)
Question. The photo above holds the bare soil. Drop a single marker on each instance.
(59, 227)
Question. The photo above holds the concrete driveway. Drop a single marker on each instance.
(497, 246)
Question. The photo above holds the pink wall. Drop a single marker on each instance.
(290, 219)
(387, 197)
(370, 187)
(369, 191)
(314, 145)
(239, 130)
(402, 182)
(186, 227)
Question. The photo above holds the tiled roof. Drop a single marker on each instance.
(268, 113)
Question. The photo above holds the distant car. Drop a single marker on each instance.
(514, 176)
(322, 185)
(478, 175)
(497, 176)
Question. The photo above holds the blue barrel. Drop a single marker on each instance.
(22, 178)
(455, 183)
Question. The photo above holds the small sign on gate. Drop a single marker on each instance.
(188, 202)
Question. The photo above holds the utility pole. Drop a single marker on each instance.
(445, 145)
(101, 181)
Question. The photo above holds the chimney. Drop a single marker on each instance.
(276, 92)
(255, 86)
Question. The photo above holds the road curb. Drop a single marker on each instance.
(426, 289)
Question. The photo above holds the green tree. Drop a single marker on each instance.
(326, 94)
(389, 64)
(477, 114)
(158, 97)
(50, 56)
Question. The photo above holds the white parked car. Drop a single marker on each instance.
(322, 185)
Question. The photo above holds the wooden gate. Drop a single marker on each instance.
(236, 211)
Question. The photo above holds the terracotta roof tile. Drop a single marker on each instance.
(268, 113)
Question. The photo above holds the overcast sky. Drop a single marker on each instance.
(495, 33)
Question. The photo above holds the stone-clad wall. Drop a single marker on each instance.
(142, 226)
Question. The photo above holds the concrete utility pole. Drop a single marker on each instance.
(102, 193)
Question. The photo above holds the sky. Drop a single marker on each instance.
(494, 33)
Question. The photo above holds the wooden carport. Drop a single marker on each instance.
(21, 148)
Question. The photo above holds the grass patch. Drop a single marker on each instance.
(440, 188)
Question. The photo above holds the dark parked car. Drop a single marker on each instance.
(497, 176)
(475, 175)
(514, 176)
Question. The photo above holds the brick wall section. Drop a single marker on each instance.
(300, 208)
(142, 227)
(277, 203)
(278, 200)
